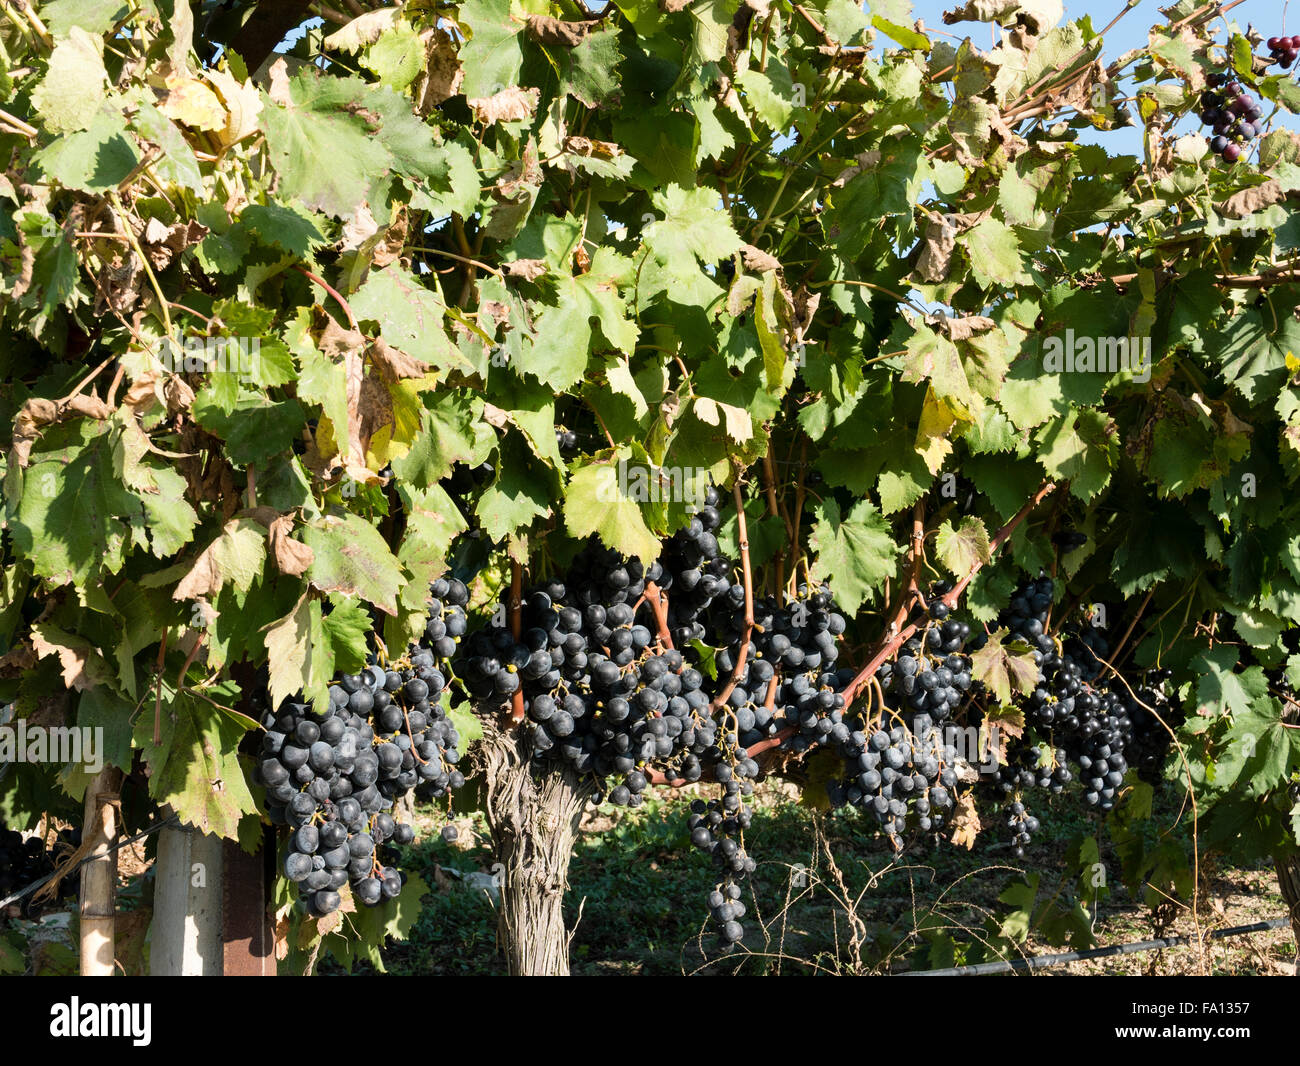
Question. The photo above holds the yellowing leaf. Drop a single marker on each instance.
(192, 103)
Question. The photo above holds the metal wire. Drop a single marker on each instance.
(1043, 962)
(21, 893)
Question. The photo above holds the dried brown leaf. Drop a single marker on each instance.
(965, 821)
(293, 557)
(509, 105)
(757, 260)
(936, 250)
(394, 364)
(442, 71)
(561, 33)
(72, 661)
(1248, 201)
(528, 269)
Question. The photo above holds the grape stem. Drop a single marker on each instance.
(776, 510)
(516, 629)
(338, 297)
(657, 598)
(895, 642)
(742, 654)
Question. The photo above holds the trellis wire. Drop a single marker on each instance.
(23, 892)
(1043, 962)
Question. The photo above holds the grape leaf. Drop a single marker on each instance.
(352, 558)
(596, 503)
(300, 657)
(195, 767)
(1002, 669)
(960, 548)
(855, 552)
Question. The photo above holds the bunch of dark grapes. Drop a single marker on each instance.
(1026, 766)
(332, 776)
(447, 619)
(1153, 713)
(1022, 826)
(1283, 50)
(601, 665)
(1233, 115)
(787, 679)
(717, 827)
(1069, 706)
(23, 862)
(696, 573)
(907, 772)
(1067, 540)
(602, 690)
(566, 440)
(931, 674)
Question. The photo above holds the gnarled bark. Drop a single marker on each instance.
(534, 822)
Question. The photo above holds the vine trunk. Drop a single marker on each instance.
(534, 823)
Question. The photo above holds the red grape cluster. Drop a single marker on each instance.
(1233, 114)
(1284, 50)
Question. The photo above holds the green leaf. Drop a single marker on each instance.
(770, 94)
(595, 502)
(300, 657)
(455, 183)
(75, 84)
(589, 72)
(1080, 446)
(397, 57)
(1252, 345)
(1221, 687)
(447, 436)
(94, 160)
(491, 58)
(1020, 896)
(236, 556)
(351, 558)
(904, 35)
(855, 552)
(347, 628)
(255, 429)
(995, 258)
(846, 21)
(561, 347)
(177, 164)
(962, 547)
(410, 316)
(517, 495)
(1259, 752)
(284, 226)
(70, 519)
(95, 17)
(433, 523)
(691, 226)
(325, 157)
(195, 768)
(906, 483)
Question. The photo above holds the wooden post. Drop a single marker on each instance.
(187, 913)
(99, 875)
(248, 935)
(1288, 880)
